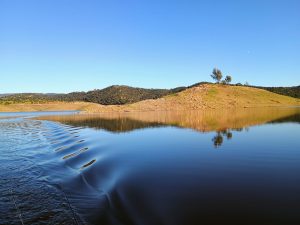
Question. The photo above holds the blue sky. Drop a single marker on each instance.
(79, 45)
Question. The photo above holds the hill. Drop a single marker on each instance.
(118, 95)
(113, 95)
(124, 98)
(207, 96)
(289, 91)
(25, 98)
(202, 96)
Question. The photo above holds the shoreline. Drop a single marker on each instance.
(31, 108)
(146, 110)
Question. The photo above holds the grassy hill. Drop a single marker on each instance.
(118, 95)
(221, 96)
(124, 98)
(207, 96)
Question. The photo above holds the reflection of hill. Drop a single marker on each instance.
(293, 118)
(204, 121)
(121, 124)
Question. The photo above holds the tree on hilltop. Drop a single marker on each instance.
(216, 75)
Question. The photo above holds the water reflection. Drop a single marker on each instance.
(116, 125)
(227, 134)
(115, 170)
(203, 121)
(294, 118)
(218, 139)
(223, 122)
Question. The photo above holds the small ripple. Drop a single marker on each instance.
(83, 150)
(61, 148)
(88, 164)
(76, 153)
(70, 155)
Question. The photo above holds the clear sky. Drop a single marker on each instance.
(79, 45)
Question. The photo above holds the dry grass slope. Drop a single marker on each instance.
(208, 96)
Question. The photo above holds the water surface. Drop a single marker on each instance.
(228, 167)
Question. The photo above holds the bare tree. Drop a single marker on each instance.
(216, 75)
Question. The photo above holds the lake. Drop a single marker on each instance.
(212, 167)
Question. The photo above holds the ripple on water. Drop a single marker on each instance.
(88, 164)
(162, 175)
(75, 153)
(23, 188)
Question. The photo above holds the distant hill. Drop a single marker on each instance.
(289, 91)
(119, 95)
(116, 95)
(3, 95)
(29, 98)
(113, 95)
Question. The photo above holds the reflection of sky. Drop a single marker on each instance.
(178, 144)
(168, 166)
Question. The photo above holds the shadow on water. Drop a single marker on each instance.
(157, 167)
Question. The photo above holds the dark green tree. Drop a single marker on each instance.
(216, 75)
(228, 79)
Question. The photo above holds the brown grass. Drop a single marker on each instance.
(53, 106)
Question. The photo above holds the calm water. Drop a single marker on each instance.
(237, 167)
